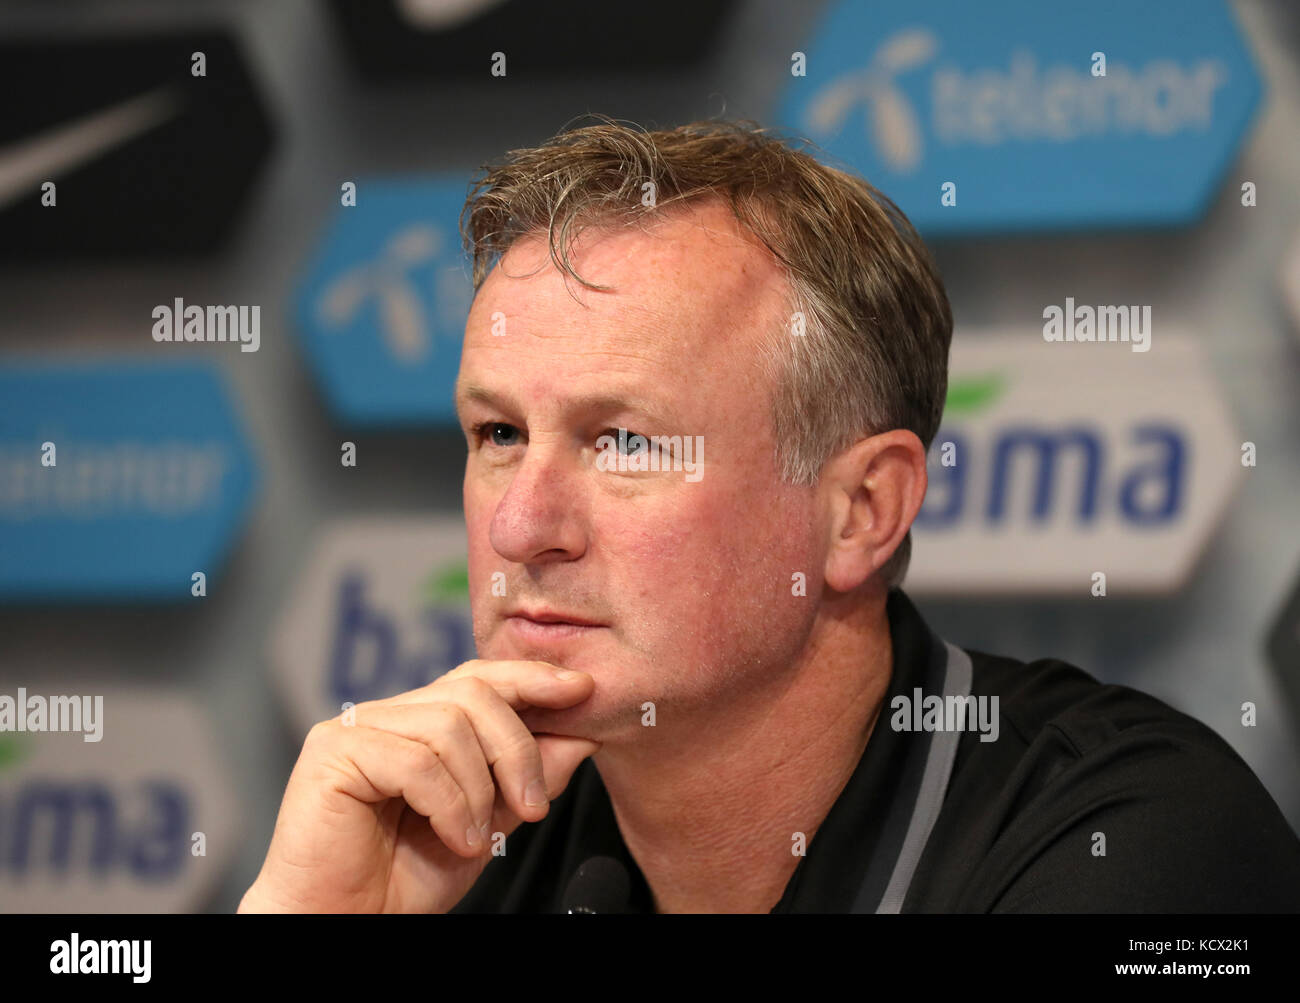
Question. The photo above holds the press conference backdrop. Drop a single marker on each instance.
(220, 543)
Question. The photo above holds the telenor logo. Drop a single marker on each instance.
(1035, 114)
(118, 480)
(890, 118)
(382, 309)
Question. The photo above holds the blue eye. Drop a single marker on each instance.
(501, 434)
(500, 431)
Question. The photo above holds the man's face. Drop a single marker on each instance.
(687, 575)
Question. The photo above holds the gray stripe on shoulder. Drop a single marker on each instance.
(934, 785)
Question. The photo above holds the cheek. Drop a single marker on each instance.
(482, 559)
(714, 560)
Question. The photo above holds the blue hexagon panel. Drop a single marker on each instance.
(1024, 115)
(118, 480)
(381, 309)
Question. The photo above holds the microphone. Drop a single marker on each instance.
(601, 885)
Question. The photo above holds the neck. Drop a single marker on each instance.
(710, 809)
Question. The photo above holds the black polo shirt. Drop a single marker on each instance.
(1184, 823)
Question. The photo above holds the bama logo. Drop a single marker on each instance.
(143, 821)
(372, 656)
(1146, 476)
(1052, 466)
(382, 607)
(381, 311)
(92, 828)
(976, 117)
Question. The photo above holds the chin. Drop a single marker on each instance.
(612, 711)
(581, 721)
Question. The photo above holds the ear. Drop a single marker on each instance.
(873, 491)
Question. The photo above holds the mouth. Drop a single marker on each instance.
(550, 625)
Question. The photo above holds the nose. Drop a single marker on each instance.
(539, 518)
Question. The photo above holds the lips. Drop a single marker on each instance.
(550, 625)
(546, 616)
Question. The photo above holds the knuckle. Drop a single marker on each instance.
(452, 722)
(446, 789)
(321, 734)
(421, 760)
(474, 689)
(460, 671)
(521, 746)
(485, 793)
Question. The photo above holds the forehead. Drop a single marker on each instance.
(692, 295)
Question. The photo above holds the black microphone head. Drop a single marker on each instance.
(600, 885)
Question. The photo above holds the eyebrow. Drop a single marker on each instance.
(472, 392)
(600, 403)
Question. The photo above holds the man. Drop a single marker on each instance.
(699, 381)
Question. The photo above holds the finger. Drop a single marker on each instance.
(521, 684)
(372, 766)
(446, 729)
(508, 746)
(561, 757)
(491, 694)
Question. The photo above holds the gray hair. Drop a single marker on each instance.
(865, 293)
